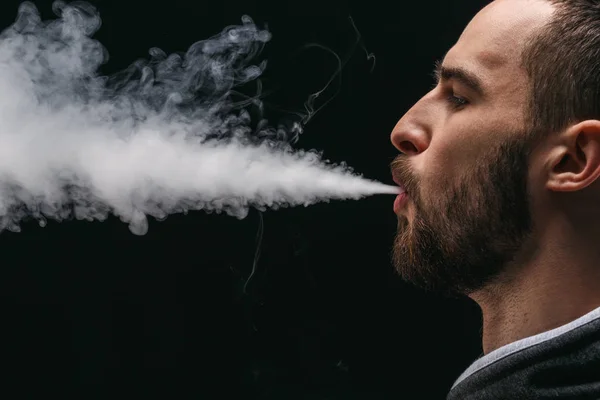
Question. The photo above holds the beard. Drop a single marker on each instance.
(462, 240)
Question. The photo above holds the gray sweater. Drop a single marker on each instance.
(563, 363)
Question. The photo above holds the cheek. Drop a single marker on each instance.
(434, 181)
(461, 145)
(441, 163)
(447, 162)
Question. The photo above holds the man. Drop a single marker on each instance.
(500, 163)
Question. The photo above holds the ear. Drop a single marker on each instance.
(575, 161)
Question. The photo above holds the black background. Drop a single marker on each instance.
(92, 311)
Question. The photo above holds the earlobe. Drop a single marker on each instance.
(576, 161)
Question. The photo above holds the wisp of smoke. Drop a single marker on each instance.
(164, 136)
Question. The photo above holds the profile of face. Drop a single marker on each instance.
(464, 162)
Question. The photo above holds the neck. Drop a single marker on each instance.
(556, 284)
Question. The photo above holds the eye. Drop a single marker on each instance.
(456, 101)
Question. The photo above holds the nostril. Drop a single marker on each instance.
(407, 147)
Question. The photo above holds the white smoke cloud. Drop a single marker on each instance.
(166, 135)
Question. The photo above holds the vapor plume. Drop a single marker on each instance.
(166, 135)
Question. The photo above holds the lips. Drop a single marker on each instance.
(399, 183)
(400, 202)
(402, 197)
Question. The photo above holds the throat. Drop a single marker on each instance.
(529, 306)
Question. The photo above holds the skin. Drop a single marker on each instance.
(509, 221)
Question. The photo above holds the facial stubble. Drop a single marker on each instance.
(462, 238)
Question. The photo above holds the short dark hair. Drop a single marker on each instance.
(562, 61)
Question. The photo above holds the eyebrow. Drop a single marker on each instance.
(460, 75)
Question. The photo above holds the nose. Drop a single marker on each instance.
(412, 132)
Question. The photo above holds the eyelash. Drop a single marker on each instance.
(456, 101)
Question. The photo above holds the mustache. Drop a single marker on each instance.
(401, 171)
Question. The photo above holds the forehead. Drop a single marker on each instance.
(491, 44)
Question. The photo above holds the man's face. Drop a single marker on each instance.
(465, 157)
